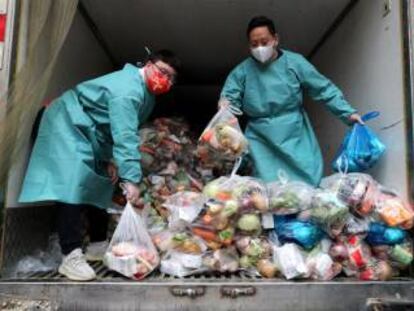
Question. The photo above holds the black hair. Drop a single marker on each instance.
(166, 56)
(261, 21)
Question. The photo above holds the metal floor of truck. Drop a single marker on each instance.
(105, 275)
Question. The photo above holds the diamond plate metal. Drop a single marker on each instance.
(25, 230)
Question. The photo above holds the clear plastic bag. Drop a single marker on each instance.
(244, 194)
(361, 148)
(222, 260)
(392, 210)
(291, 230)
(328, 212)
(400, 256)
(358, 191)
(290, 261)
(154, 221)
(183, 207)
(356, 226)
(376, 270)
(353, 253)
(235, 203)
(131, 251)
(183, 254)
(222, 138)
(256, 256)
(216, 224)
(39, 261)
(321, 266)
(289, 197)
(181, 265)
(163, 240)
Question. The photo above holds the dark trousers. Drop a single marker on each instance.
(70, 225)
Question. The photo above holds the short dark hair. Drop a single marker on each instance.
(166, 56)
(261, 21)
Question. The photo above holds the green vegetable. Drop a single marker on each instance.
(246, 262)
(249, 222)
(230, 208)
(180, 237)
(255, 249)
(239, 191)
(226, 234)
(211, 189)
(287, 200)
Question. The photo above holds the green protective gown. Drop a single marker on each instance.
(278, 129)
(81, 132)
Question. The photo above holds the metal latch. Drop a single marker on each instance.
(388, 304)
(192, 292)
(234, 292)
(10, 302)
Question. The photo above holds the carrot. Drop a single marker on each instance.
(207, 135)
(146, 149)
(205, 234)
(223, 196)
(207, 219)
(227, 242)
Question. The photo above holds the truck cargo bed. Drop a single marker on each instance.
(228, 292)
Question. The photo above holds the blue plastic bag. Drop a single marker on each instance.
(360, 149)
(380, 234)
(303, 233)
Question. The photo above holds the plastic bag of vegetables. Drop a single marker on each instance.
(289, 197)
(393, 210)
(243, 194)
(222, 260)
(399, 256)
(352, 252)
(184, 207)
(131, 251)
(328, 212)
(182, 264)
(223, 137)
(215, 224)
(321, 266)
(358, 191)
(256, 256)
(290, 260)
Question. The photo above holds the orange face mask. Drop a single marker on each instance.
(157, 82)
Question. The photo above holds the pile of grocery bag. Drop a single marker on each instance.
(196, 217)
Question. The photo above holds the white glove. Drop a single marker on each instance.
(223, 103)
(131, 192)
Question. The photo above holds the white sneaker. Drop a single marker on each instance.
(96, 251)
(75, 267)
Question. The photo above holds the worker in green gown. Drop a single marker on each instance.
(268, 87)
(79, 135)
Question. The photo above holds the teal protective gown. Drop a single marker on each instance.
(279, 131)
(81, 132)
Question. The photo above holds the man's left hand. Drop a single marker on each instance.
(113, 173)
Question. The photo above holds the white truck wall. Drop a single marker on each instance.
(364, 58)
(81, 58)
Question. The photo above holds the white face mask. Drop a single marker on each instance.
(263, 53)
